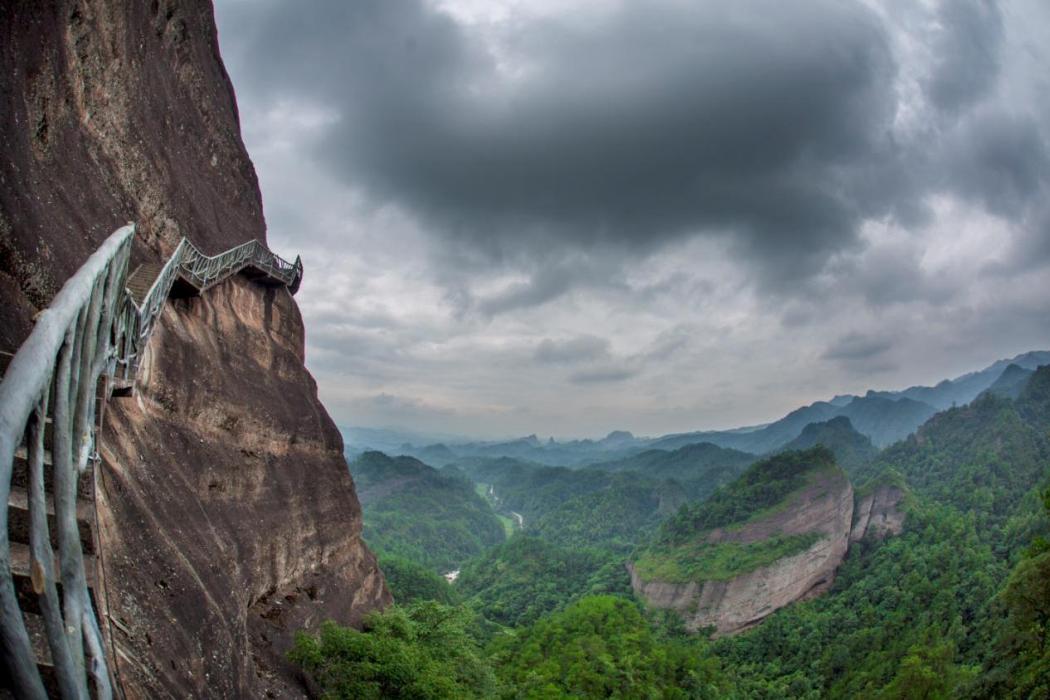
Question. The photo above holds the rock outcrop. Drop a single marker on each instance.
(878, 513)
(226, 515)
(730, 562)
(821, 510)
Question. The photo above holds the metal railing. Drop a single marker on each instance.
(93, 327)
(202, 272)
(55, 375)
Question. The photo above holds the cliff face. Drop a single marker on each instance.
(822, 510)
(227, 517)
(225, 512)
(111, 112)
(879, 513)
(756, 561)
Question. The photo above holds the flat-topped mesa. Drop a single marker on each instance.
(774, 536)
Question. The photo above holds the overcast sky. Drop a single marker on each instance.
(524, 216)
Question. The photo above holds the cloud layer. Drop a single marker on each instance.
(659, 215)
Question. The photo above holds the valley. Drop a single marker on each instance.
(827, 567)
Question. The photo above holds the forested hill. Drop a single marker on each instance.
(954, 605)
(577, 507)
(852, 450)
(414, 511)
(982, 457)
(699, 461)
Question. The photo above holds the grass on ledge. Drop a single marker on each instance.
(701, 561)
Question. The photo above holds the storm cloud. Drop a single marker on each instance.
(651, 122)
(524, 210)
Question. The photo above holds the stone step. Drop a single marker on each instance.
(18, 520)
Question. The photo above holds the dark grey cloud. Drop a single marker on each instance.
(659, 215)
(582, 348)
(857, 347)
(1001, 160)
(603, 376)
(967, 47)
(658, 121)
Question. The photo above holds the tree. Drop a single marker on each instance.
(420, 651)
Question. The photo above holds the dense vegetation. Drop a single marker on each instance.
(418, 513)
(980, 458)
(423, 650)
(958, 605)
(852, 450)
(409, 581)
(528, 577)
(616, 517)
(764, 485)
(603, 647)
(1019, 662)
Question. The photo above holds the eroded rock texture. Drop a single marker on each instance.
(112, 112)
(879, 513)
(226, 514)
(825, 507)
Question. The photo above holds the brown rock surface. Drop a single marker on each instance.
(824, 506)
(226, 514)
(113, 112)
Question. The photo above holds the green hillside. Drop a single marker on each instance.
(528, 577)
(956, 606)
(413, 511)
(680, 552)
(764, 485)
(700, 468)
(852, 449)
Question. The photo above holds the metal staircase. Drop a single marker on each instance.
(85, 347)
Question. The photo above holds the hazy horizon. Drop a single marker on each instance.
(563, 219)
(440, 436)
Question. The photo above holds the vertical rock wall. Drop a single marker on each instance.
(226, 514)
(110, 112)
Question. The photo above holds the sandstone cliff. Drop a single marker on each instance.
(879, 512)
(732, 576)
(782, 554)
(225, 512)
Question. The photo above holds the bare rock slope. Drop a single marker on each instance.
(732, 576)
(226, 515)
(879, 512)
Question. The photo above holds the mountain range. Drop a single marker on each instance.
(883, 416)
